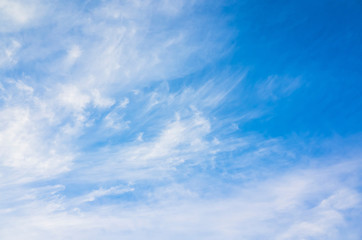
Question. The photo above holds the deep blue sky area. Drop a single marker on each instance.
(318, 41)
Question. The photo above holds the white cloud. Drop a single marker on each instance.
(124, 103)
(30, 149)
(16, 11)
(17, 14)
(115, 121)
(73, 53)
(8, 51)
(92, 196)
(72, 97)
(276, 87)
(297, 205)
(110, 58)
(179, 141)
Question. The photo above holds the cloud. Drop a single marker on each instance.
(25, 127)
(92, 196)
(180, 140)
(124, 103)
(90, 62)
(18, 14)
(8, 50)
(309, 203)
(276, 87)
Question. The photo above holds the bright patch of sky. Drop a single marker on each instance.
(180, 119)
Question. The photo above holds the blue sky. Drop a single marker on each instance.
(180, 119)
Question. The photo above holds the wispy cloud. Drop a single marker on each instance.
(276, 87)
(19, 14)
(8, 53)
(133, 120)
(310, 203)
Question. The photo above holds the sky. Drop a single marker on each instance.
(143, 119)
